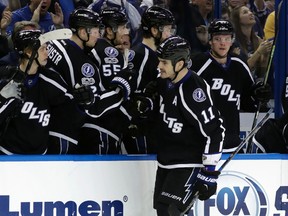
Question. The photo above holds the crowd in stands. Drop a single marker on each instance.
(122, 29)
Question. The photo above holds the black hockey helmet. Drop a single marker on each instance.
(84, 17)
(26, 38)
(220, 26)
(113, 17)
(156, 16)
(174, 48)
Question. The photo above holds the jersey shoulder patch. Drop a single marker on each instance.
(199, 95)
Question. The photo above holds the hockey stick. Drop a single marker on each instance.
(249, 145)
(232, 155)
(250, 135)
(57, 34)
(271, 56)
(44, 38)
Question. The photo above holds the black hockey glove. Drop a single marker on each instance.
(261, 92)
(206, 183)
(11, 108)
(83, 95)
(134, 131)
(126, 81)
(142, 104)
(151, 89)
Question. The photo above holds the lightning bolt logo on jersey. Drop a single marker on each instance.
(88, 72)
(68, 59)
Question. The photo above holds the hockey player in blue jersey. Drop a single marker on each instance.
(28, 99)
(230, 79)
(157, 24)
(71, 59)
(189, 132)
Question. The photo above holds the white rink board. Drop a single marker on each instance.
(250, 185)
(90, 185)
(246, 121)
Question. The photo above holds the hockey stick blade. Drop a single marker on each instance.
(57, 34)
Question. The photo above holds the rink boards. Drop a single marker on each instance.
(123, 185)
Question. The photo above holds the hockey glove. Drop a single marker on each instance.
(151, 89)
(134, 131)
(11, 89)
(11, 108)
(206, 183)
(83, 95)
(126, 81)
(261, 92)
(142, 104)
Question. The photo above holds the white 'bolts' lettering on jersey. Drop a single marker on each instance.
(226, 90)
(42, 115)
(171, 122)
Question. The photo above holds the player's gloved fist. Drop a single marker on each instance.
(151, 89)
(262, 92)
(13, 108)
(143, 104)
(11, 89)
(83, 95)
(134, 131)
(206, 183)
(126, 81)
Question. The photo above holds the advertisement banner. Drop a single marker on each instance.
(250, 185)
(123, 185)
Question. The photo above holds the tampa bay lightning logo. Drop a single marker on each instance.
(237, 194)
(131, 55)
(111, 52)
(87, 70)
(199, 95)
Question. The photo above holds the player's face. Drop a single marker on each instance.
(246, 16)
(122, 32)
(166, 69)
(167, 31)
(43, 55)
(221, 44)
(94, 34)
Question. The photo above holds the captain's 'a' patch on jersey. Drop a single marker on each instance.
(199, 95)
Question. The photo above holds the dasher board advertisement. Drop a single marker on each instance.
(123, 185)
